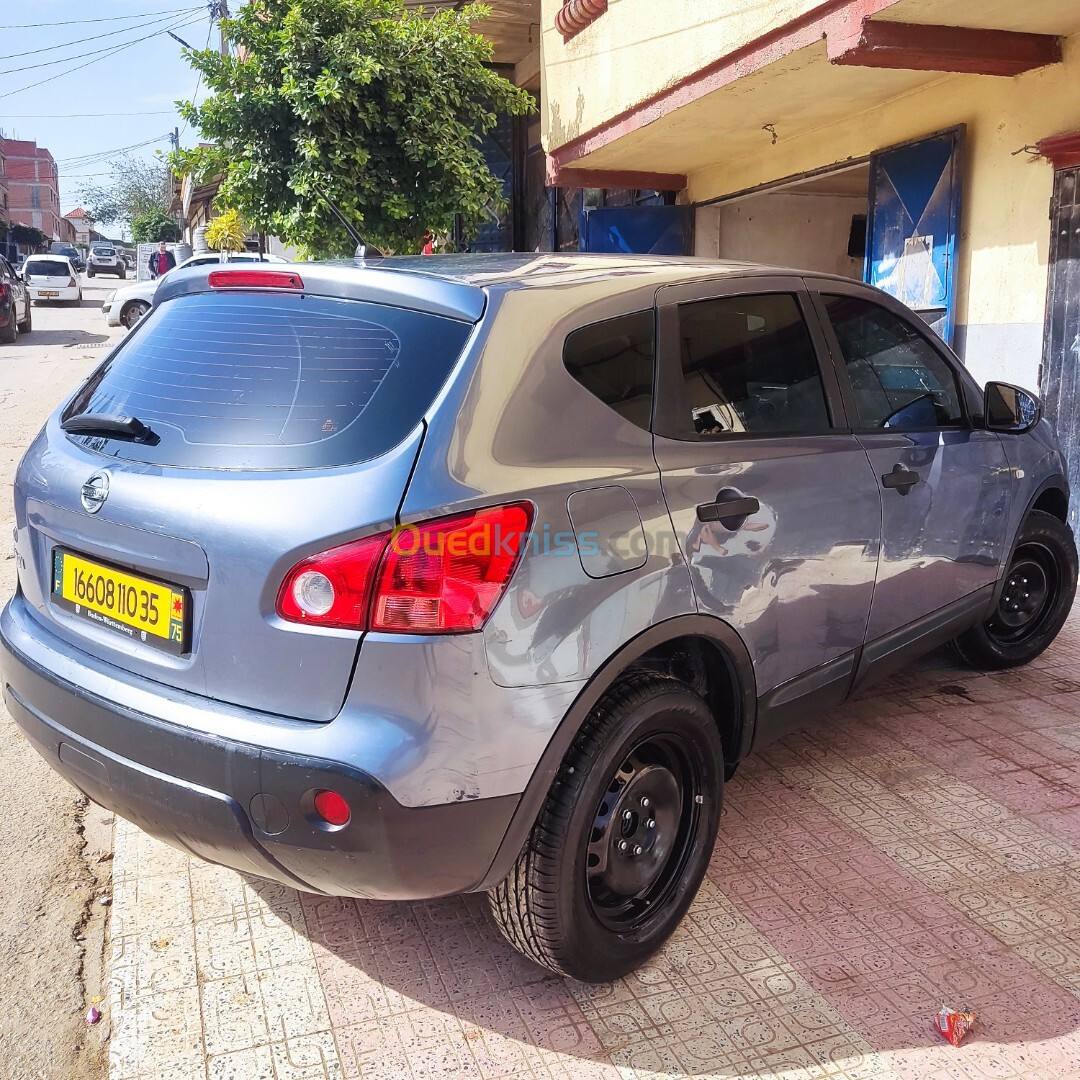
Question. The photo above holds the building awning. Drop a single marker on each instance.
(513, 27)
(840, 59)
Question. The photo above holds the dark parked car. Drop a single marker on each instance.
(454, 574)
(16, 315)
(72, 253)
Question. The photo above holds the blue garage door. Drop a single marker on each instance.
(913, 226)
(638, 230)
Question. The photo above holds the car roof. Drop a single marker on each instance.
(528, 270)
(459, 285)
(52, 256)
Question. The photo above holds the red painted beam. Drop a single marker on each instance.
(960, 49)
(1062, 151)
(609, 178)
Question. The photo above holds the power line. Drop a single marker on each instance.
(198, 85)
(94, 37)
(82, 22)
(79, 115)
(79, 67)
(84, 55)
(82, 160)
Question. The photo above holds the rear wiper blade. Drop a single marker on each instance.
(117, 427)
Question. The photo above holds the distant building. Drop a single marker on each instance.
(83, 224)
(33, 186)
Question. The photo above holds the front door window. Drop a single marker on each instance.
(898, 380)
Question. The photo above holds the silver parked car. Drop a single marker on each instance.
(452, 574)
(105, 259)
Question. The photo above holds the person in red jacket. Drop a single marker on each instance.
(161, 261)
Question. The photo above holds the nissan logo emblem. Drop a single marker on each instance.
(94, 492)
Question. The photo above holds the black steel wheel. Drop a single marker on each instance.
(643, 831)
(1034, 600)
(620, 847)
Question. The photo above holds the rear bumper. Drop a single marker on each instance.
(248, 806)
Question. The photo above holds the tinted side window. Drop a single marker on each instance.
(750, 366)
(899, 380)
(613, 360)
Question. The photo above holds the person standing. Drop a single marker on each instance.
(161, 261)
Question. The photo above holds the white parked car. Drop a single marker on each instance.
(105, 259)
(51, 277)
(125, 307)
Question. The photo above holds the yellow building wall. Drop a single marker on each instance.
(638, 48)
(1005, 228)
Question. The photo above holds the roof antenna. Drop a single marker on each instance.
(363, 250)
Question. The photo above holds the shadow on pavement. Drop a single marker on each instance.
(867, 870)
(63, 337)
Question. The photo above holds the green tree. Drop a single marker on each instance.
(29, 236)
(375, 106)
(136, 187)
(154, 225)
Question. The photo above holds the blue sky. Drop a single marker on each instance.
(145, 78)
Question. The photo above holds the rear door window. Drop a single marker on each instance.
(267, 381)
(750, 367)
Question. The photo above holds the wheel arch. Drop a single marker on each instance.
(701, 650)
(1051, 497)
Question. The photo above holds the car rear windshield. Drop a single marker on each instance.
(48, 268)
(271, 381)
(103, 251)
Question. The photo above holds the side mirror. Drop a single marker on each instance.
(1009, 409)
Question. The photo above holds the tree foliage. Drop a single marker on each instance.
(28, 236)
(226, 232)
(375, 106)
(154, 225)
(137, 186)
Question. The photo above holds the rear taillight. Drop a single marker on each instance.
(5, 292)
(72, 283)
(436, 577)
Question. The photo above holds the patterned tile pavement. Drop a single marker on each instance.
(921, 845)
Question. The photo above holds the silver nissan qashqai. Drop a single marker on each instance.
(427, 576)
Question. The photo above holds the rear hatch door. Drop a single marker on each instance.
(282, 424)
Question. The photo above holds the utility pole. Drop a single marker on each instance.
(222, 12)
(174, 138)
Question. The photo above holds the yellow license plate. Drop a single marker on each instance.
(149, 611)
(48, 292)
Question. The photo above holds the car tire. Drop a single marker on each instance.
(9, 332)
(28, 323)
(89, 271)
(132, 313)
(1035, 600)
(624, 837)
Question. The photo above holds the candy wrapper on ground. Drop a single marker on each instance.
(953, 1024)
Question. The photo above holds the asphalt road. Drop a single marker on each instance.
(54, 858)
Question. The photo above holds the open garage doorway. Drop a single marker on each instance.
(813, 223)
(892, 220)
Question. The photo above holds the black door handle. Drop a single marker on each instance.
(901, 478)
(729, 510)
